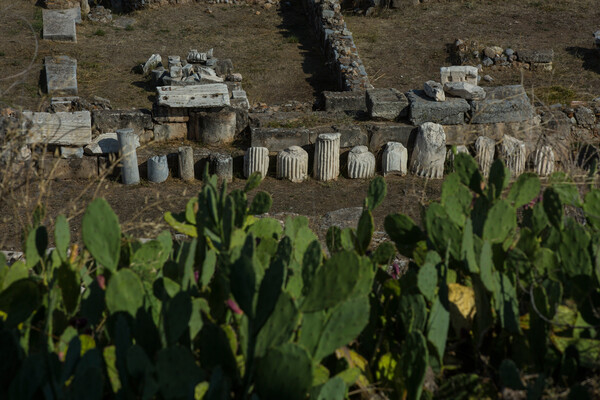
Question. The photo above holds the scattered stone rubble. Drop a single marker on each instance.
(472, 52)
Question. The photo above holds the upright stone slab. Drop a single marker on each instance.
(327, 157)
(130, 173)
(222, 166)
(429, 152)
(424, 109)
(292, 164)
(256, 159)
(388, 104)
(361, 163)
(394, 159)
(194, 96)
(459, 73)
(158, 169)
(514, 154)
(502, 104)
(61, 75)
(58, 26)
(186, 163)
(543, 160)
(484, 153)
(62, 128)
(434, 90)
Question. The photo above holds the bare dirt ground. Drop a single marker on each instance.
(404, 48)
(141, 207)
(274, 51)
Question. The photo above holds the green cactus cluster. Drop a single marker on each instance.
(245, 309)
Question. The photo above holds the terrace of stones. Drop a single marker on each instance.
(201, 99)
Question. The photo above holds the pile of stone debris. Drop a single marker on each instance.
(472, 52)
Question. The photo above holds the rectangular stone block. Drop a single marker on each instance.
(61, 75)
(388, 104)
(196, 96)
(351, 135)
(502, 104)
(401, 133)
(459, 73)
(170, 131)
(64, 128)
(58, 26)
(536, 56)
(71, 152)
(345, 101)
(167, 114)
(104, 121)
(527, 131)
(69, 168)
(424, 109)
(277, 139)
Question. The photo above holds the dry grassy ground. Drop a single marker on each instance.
(404, 48)
(274, 51)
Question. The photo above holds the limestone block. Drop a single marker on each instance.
(194, 56)
(485, 149)
(153, 62)
(292, 164)
(464, 90)
(424, 109)
(394, 159)
(222, 166)
(158, 169)
(167, 114)
(435, 90)
(278, 139)
(429, 152)
(64, 128)
(536, 56)
(59, 26)
(543, 160)
(61, 75)
(327, 157)
(361, 163)
(459, 73)
(174, 61)
(176, 72)
(382, 134)
(345, 101)
(170, 131)
(388, 104)
(256, 159)
(105, 121)
(187, 70)
(217, 127)
(105, 143)
(502, 104)
(514, 154)
(195, 96)
(71, 152)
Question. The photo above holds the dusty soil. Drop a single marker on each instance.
(404, 48)
(141, 207)
(274, 51)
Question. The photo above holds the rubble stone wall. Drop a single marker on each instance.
(336, 41)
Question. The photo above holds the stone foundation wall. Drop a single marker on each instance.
(337, 44)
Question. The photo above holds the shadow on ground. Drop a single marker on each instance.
(295, 28)
(590, 57)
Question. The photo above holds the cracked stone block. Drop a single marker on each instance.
(389, 104)
(424, 109)
(502, 104)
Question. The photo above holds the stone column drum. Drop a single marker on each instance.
(429, 153)
(543, 160)
(256, 159)
(327, 157)
(217, 127)
(394, 158)
(222, 166)
(130, 173)
(514, 154)
(158, 169)
(292, 164)
(361, 163)
(186, 163)
(485, 148)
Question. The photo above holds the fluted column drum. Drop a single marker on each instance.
(394, 159)
(543, 160)
(361, 163)
(256, 159)
(484, 153)
(514, 154)
(292, 164)
(327, 157)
